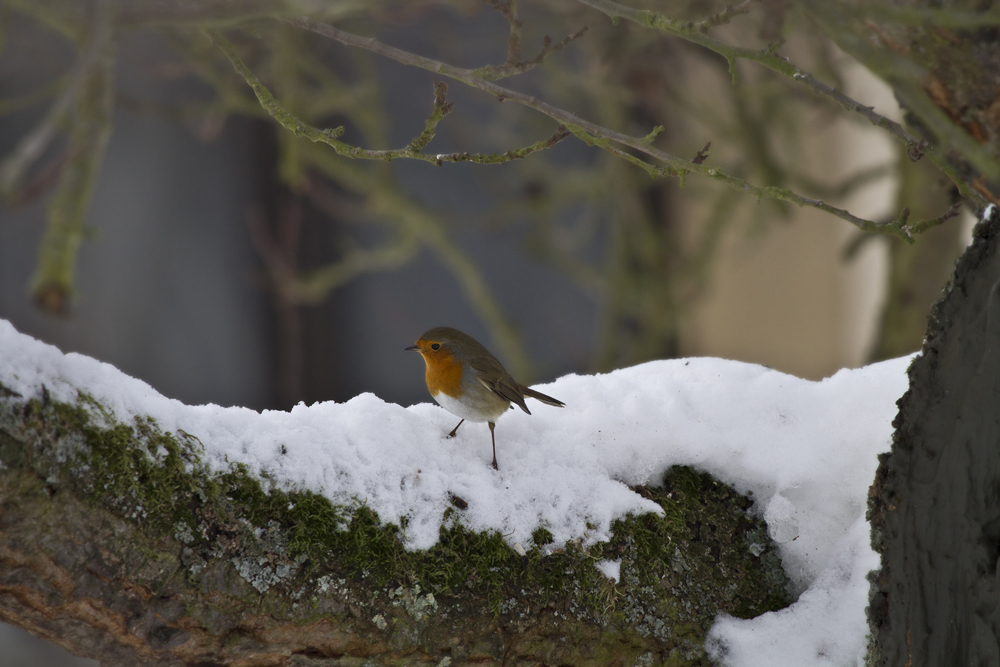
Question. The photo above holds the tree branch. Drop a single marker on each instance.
(330, 136)
(119, 543)
(595, 135)
(514, 64)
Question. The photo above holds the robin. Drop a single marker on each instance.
(469, 382)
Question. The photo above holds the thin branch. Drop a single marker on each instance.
(924, 225)
(330, 136)
(768, 58)
(596, 135)
(441, 109)
(508, 8)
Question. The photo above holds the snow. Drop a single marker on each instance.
(806, 451)
(612, 569)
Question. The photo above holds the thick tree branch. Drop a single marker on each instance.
(118, 543)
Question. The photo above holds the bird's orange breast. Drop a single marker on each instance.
(444, 374)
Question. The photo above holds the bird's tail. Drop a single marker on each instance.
(539, 396)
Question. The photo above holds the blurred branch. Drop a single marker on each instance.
(14, 104)
(279, 254)
(52, 284)
(314, 286)
(330, 136)
(769, 58)
(386, 200)
(33, 145)
(202, 14)
(859, 179)
(943, 17)
(595, 135)
(726, 15)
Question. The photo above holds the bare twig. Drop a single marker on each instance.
(514, 64)
(441, 109)
(596, 135)
(702, 155)
(924, 225)
(331, 136)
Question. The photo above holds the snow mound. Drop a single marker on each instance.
(806, 451)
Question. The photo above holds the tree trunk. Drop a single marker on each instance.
(936, 498)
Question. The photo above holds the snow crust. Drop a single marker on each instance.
(806, 451)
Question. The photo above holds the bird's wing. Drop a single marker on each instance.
(494, 377)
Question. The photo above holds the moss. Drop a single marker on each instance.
(307, 556)
(542, 536)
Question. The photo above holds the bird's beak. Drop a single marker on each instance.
(411, 348)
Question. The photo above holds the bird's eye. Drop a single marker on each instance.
(436, 346)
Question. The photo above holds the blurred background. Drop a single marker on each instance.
(221, 259)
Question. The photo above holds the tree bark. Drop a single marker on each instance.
(936, 499)
(117, 544)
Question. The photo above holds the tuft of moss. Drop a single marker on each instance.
(542, 536)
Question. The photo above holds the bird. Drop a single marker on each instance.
(468, 381)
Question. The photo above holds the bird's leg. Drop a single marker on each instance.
(455, 430)
(494, 439)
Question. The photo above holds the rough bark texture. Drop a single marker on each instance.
(117, 544)
(935, 504)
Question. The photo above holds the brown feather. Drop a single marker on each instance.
(539, 396)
